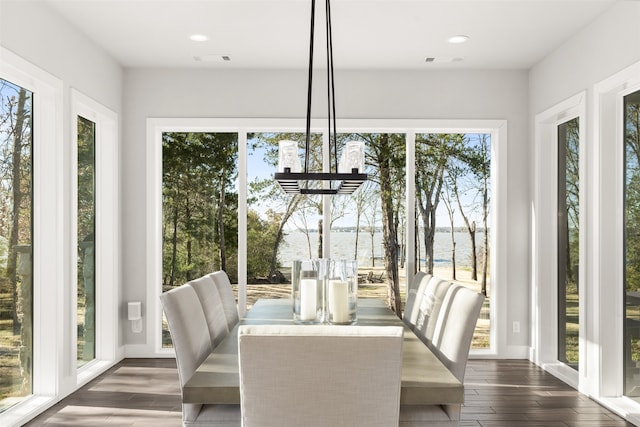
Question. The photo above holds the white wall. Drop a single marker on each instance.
(360, 94)
(40, 36)
(603, 49)
(606, 46)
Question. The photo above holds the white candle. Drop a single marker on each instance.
(308, 299)
(339, 301)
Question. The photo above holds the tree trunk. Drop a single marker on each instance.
(485, 214)
(174, 246)
(390, 236)
(474, 257)
(320, 238)
(12, 256)
(189, 236)
(221, 241)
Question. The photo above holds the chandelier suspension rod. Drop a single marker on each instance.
(331, 97)
(309, 86)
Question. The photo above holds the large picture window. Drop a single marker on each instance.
(199, 207)
(16, 254)
(434, 215)
(632, 244)
(568, 241)
(86, 239)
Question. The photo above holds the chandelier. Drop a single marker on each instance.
(349, 173)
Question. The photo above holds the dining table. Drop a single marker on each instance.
(425, 379)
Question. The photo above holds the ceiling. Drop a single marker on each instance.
(367, 34)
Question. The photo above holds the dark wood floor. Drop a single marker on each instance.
(499, 393)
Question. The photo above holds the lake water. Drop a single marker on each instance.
(296, 246)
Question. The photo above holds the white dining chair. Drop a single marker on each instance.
(430, 306)
(212, 306)
(223, 284)
(192, 344)
(312, 376)
(455, 327)
(451, 340)
(412, 297)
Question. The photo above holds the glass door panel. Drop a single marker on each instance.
(453, 184)
(199, 207)
(16, 266)
(632, 244)
(568, 241)
(369, 225)
(281, 227)
(86, 310)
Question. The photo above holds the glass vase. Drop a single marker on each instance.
(342, 292)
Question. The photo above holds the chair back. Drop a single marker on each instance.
(190, 336)
(430, 306)
(412, 293)
(455, 326)
(213, 309)
(223, 284)
(297, 375)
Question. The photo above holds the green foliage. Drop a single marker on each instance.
(198, 170)
(632, 197)
(261, 238)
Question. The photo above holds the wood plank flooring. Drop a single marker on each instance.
(499, 393)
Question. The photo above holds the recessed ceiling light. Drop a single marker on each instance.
(199, 37)
(458, 39)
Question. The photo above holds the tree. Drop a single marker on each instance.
(448, 184)
(199, 172)
(283, 206)
(432, 156)
(385, 154)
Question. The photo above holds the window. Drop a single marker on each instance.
(311, 226)
(86, 214)
(453, 174)
(568, 241)
(632, 244)
(199, 207)
(16, 240)
(45, 227)
(94, 245)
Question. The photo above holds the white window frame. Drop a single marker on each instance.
(606, 294)
(48, 234)
(544, 254)
(410, 127)
(107, 241)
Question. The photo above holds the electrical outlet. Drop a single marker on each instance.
(516, 327)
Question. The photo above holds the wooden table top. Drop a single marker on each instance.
(425, 380)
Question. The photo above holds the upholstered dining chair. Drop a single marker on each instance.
(451, 340)
(430, 306)
(223, 284)
(455, 326)
(300, 375)
(192, 344)
(211, 302)
(412, 294)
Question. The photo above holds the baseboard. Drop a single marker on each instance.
(145, 351)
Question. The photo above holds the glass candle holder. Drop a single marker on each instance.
(342, 292)
(308, 279)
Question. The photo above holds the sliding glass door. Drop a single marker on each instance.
(199, 207)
